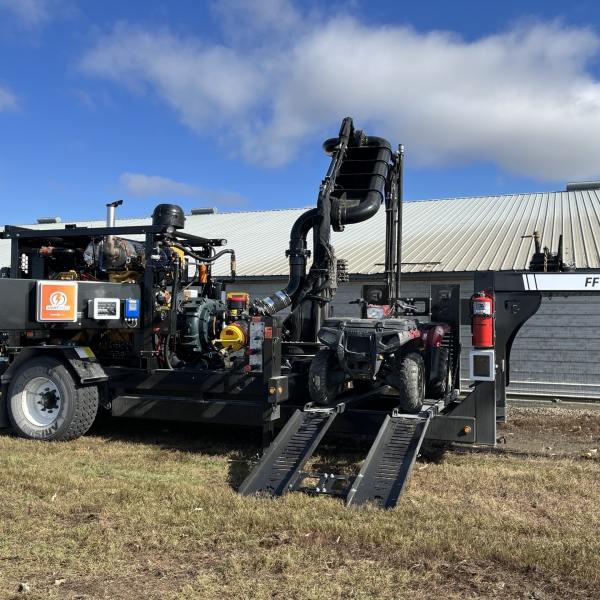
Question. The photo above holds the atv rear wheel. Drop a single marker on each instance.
(437, 387)
(412, 383)
(320, 388)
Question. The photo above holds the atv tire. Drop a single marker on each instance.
(45, 402)
(323, 364)
(437, 387)
(411, 387)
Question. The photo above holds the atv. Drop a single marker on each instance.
(402, 353)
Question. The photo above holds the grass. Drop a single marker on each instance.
(148, 510)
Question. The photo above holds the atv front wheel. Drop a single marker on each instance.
(321, 389)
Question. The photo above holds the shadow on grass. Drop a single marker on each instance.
(433, 451)
(338, 453)
(205, 438)
(240, 466)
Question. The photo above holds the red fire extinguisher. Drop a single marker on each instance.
(482, 319)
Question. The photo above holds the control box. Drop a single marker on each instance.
(482, 365)
(104, 309)
(132, 308)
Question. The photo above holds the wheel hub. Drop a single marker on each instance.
(49, 400)
(41, 401)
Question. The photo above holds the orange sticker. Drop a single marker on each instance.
(268, 333)
(56, 301)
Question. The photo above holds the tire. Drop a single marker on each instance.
(436, 388)
(411, 387)
(322, 365)
(45, 382)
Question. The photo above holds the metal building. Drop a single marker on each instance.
(555, 354)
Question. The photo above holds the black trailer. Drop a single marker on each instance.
(131, 319)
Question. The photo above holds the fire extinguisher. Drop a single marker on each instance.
(482, 319)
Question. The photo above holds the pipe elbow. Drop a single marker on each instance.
(302, 226)
(365, 210)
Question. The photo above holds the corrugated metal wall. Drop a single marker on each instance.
(555, 355)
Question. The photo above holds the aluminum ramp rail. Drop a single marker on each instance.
(385, 472)
(280, 468)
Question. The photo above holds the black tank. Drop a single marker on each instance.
(168, 214)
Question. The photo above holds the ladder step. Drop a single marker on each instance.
(389, 463)
(281, 465)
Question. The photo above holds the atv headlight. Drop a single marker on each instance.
(331, 338)
(375, 312)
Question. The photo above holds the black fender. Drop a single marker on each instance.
(83, 363)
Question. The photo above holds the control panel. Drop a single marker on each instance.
(104, 309)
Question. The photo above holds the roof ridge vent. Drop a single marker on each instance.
(46, 220)
(206, 210)
(578, 186)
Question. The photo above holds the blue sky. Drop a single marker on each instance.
(226, 103)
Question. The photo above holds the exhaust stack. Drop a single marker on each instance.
(110, 250)
(111, 210)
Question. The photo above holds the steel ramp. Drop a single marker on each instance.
(385, 472)
(280, 468)
(281, 465)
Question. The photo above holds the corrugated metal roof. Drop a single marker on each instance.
(454, 235)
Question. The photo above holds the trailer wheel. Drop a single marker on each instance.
(412, 383)
(436, 388)
(320, 388)
(45, 402)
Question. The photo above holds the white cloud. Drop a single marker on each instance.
(523, 99)
(8, 100)
(31, 14)
(92, 99)
(144, 186)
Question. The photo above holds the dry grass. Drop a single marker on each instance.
(133, 510)
(573, 425)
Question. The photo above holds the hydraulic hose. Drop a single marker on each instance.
(210, 259)
(173, 311)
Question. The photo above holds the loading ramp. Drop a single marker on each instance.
(383, 476)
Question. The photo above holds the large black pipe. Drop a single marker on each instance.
(344, 211)
(298, 254)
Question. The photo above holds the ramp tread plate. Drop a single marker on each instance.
(387, 468)
(280, 467)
